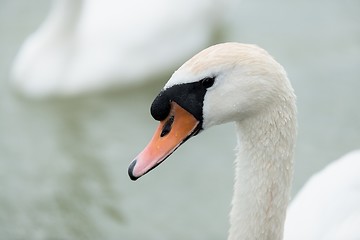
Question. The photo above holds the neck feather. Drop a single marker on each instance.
(63, 17)
(264, 167)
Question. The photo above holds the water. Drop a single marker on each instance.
(63, 162)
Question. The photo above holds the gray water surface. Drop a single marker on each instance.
(63, 162)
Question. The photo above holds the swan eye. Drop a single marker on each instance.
(208, 82)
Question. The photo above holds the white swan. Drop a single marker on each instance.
(328, 206)
(85, 45)
(239, 83)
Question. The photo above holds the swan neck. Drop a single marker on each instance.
(63, 17)
(263, 174)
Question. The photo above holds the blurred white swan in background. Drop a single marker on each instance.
(86, 45)
(328, 206)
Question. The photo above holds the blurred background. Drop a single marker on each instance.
(66, 143)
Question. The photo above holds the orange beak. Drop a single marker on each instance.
(179, 126)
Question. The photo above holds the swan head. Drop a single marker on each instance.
(223, 83)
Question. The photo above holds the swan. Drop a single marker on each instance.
(241, 83)
(327, 207)
(84, 46)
